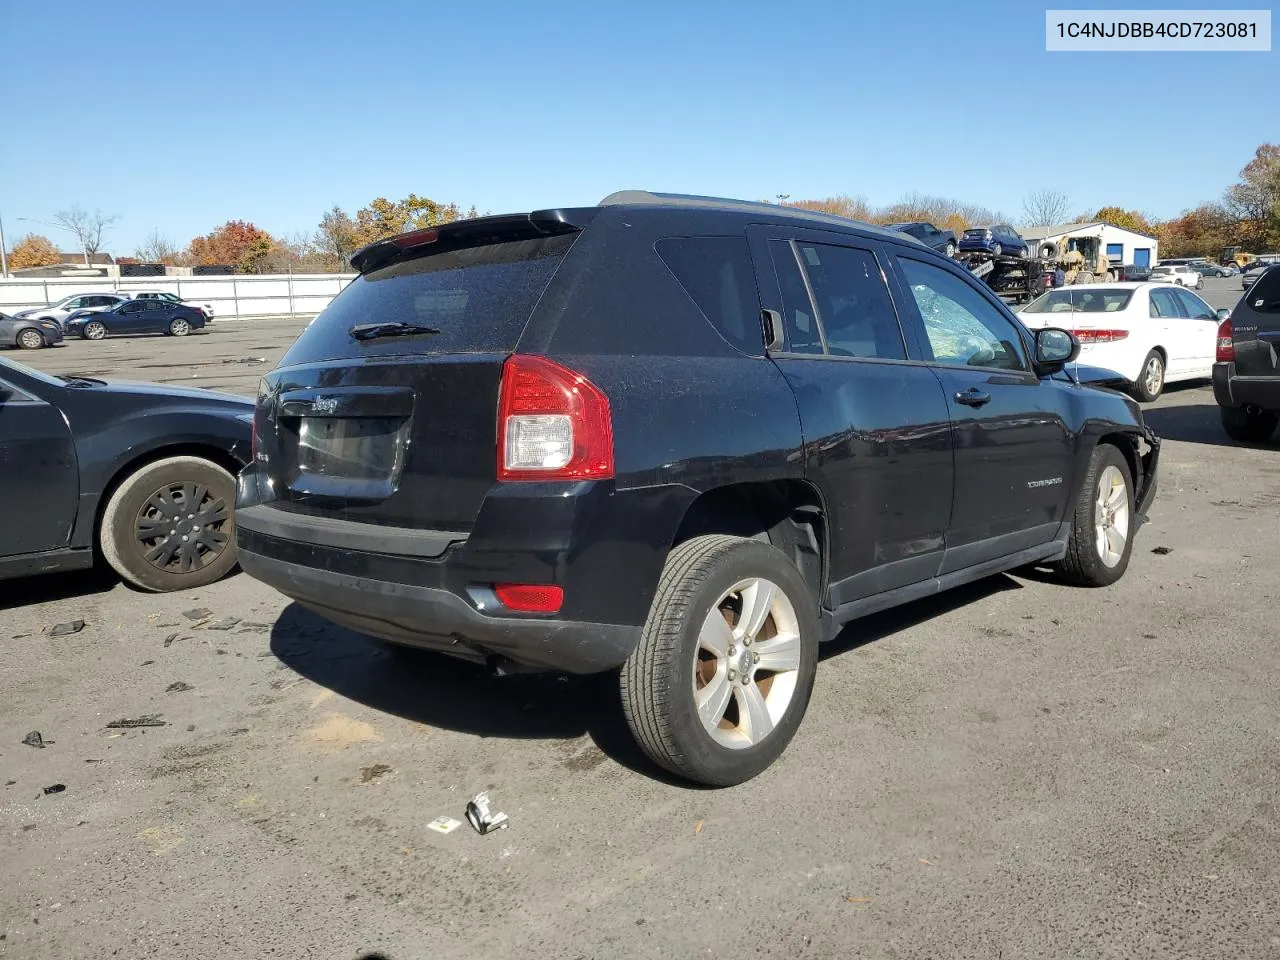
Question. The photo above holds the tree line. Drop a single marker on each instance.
(1247, 215)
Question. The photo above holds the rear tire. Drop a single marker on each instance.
(178, 327)
(1103, 523)
(31, 339)
(725, 608)
(152, 532)
(1245, 427)
(1150, 383)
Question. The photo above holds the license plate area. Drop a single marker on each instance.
(348, 457)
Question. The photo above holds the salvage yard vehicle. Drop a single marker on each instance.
(683, 438)
(1181, 274)
(944, 241)
(139, 475)
(1149, 333)
(1246, 376)
(999, 239)
(63, 308)
(137, 317)
(28, 333)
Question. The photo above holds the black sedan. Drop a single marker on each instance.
(27, 333)
(137, 316)
(140, 474)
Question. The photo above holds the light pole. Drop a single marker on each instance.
(57, 226)
(4, 257)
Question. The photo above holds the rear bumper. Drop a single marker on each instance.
(1233, 390)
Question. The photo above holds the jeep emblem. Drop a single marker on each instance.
(325, 404)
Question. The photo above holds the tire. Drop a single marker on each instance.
(949, 250)
(1084, 276)
(1111, 276)
(171, 487)
(1096, 556)
(31, 339)
(996, 250)
(705, 584)
(1200, 283)
(94, 330)
(1150, 382)
(1245, 427)
(178, 327)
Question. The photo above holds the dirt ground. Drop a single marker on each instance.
(1014, 770)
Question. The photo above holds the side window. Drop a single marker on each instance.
(854, 307)
(137, 306)
(717, 274)
(103, 301)
(1163, 303)
(1194, 307)
(962, 326)
(11, 394)
(76, 303)
(799, 321)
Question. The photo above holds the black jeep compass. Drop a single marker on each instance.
(683, 438)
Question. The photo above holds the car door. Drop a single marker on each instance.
(1013, 448)
(130, 317)
(39, 481)
(158, 314)
(1174, 334)
(876, 430)
(1201, 333)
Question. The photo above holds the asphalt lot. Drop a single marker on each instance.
(1017, 769)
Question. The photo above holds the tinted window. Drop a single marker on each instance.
(1263, 295)
(479, 298)
(102, 301)
(75, 303)
(1195, 307)
(962, 326)
(11, 394)
(135, 306)
(1164, 303)
(717, 274)
(854, 307)
(799, 322)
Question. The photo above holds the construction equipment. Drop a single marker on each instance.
(1236, 256)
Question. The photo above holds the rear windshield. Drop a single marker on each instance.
(1263, 298)
(478, 298)
(1081, 301)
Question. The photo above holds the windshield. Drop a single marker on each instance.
(7, 365)
(1105, 300)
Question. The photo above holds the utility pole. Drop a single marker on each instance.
(4, 256)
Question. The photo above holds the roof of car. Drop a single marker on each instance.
(646, 198)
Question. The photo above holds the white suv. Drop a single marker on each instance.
(1178, 273)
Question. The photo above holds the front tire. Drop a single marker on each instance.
(31, 339)
(722, 675)
(1245, 427)
(949, 250)
(996, 249)
(169, 525)
(1103, 523)
(1150, 383)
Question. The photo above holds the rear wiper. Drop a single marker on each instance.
(74, 381)
(375, 331)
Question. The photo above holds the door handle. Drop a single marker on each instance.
(973, 397)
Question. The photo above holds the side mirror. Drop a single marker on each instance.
(1224, 314)
(1055, 348)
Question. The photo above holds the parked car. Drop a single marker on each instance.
(1251, 273)
(27, 333)
(165, 295)
(140, 473)
(1246, 376)
(1177, 273)
(61, 310)
(944, 241)
(137, 317)
(676, 494)
(1133, 273)
(1000, 239)
(1149, 333)
(1206, 269)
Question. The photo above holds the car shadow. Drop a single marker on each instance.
(47, 588)
(439, 691)
(1193, 423)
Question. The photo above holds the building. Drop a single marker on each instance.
(1123, 247)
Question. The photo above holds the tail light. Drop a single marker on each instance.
(1100, 336)
(530, 597)
(1226, 343)
(553, 423)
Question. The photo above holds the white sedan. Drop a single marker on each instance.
(1182, 275)
(1149, 333)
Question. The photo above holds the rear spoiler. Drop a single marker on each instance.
(473, 233)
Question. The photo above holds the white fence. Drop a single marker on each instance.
(235, 296)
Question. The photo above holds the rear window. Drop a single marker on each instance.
(1263, 297)
(717, 274)
(1080, 301)
(478, 298)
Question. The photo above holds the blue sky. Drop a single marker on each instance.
(180, 116)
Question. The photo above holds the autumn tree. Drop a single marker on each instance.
(1255, 201)
(33, 250)
(1124, 219)
(1201, 232)
(236, 243)
(341, 235)
(854, 208)
(90, 228)
(1045, 208)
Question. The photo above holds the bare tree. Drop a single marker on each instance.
(158, 248)
(1045, 208)
(89, 228)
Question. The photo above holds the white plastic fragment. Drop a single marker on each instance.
(482, 817)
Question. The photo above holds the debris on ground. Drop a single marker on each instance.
(178, 686)
(128, 723)
(249, 626)
(444, 824)
(169, 640)
(33, 739)
(146, 663)
(66, 629)
(199, 613)
(224, 624)
(246, 360)
(857, 899)
(94, 761)
(55, 788)
(697, 827)
(191, 728)
(1162, 551)
(480, 816)
(374, 772)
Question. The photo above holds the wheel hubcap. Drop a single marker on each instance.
(180, 327)
(32, 339)
(1155, 375)
(747, 664)
(180, 528)
(96, 330)
(1111, 516)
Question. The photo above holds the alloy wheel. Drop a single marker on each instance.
(1111, 516)
(1153, 377)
